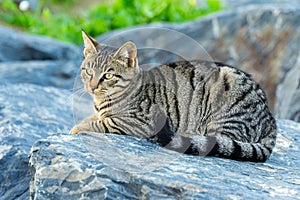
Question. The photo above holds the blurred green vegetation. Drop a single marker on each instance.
(63, 19)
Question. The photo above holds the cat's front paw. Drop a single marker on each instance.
(75, 130)
(81, 127)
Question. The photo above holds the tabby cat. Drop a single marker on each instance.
(194, 107)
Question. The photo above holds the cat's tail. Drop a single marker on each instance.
(219, 145)
(224, 147)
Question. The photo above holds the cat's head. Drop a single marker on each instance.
(106, 71)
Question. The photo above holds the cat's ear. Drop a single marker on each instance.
(128, 50)
(90, 44)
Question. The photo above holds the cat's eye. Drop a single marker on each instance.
(108, 76)
(89, 72)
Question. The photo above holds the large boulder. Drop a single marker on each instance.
(58, 73)
(288, 95)
(99, 166)
(15, 45)
(27, 113)
(262, 40)
(27, 58)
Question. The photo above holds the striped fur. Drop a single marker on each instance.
(194, 107)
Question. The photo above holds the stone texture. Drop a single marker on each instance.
(262, 40)
(16, 45)
(242, 3)
(98, 166)
(288, 95)
(27, 113)
(45, 73)
(26, 58)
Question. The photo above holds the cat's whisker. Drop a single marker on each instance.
(77, 95)
(79, 92)
(74, 90)
(82, 94)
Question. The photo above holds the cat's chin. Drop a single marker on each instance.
(99, 95)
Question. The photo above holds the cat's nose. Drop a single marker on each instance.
(93, 88)
(94, 85)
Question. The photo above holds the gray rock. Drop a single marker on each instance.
(27, 113)
(242, 3)
(262, 40)
(288, 95)
(16, 45)
(98, 166)
(45, 73)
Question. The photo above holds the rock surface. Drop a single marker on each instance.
(262, 40)
(44, 73)
(16, 45)
(26, 58)
(242, 3)
(98, 166)
(288, 96)
(27, 113)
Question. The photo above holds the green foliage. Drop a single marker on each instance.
(103, 17)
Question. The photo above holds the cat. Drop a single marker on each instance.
(195, 107)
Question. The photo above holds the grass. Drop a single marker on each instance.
(65, 18)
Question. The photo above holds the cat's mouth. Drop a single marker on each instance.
(99, 92)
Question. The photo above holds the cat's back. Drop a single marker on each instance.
(197, 71)
(216, 91)
(214, 74)
(228, 83)
(190, 69)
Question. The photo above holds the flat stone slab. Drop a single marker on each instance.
(97, 166)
